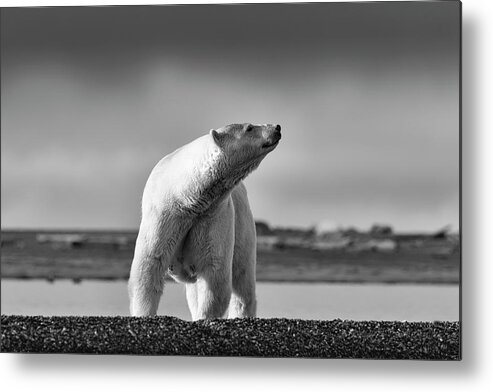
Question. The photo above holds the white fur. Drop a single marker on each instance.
(196, 216)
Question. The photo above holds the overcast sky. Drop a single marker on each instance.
(367, 96)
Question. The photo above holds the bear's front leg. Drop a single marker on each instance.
(155, 248)
(210, 248)
(145, 286)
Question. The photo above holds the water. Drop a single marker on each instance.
(290, 300)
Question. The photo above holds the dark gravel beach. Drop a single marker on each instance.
(237, 337)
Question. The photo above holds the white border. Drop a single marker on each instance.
(119, 373)
(37, 3)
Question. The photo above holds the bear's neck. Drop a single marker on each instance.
(216, 179)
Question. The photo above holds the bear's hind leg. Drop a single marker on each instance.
(243, 298)
(192, 299)
(214, 294)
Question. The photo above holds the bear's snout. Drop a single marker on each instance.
(272, 136)
(277, 133)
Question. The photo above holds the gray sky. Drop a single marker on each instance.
(367, 96)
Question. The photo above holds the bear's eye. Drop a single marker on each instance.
(249, 128)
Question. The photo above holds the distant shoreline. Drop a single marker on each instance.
(278, 281)
(422, 233)
(341, 258)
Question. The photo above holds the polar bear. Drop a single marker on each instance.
(197, 225)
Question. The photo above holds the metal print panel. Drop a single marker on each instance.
(266, 180)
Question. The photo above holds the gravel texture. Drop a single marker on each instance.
(237, 337)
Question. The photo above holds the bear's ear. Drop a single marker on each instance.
(218, 137)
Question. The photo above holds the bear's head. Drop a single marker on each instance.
(245, 145)
(220, 160)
